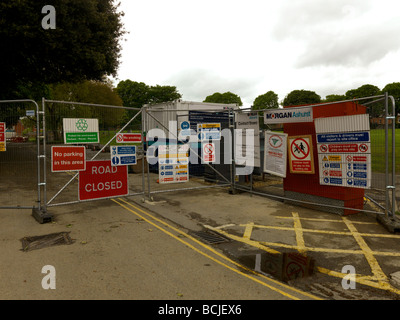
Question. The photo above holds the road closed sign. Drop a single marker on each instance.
(301, 158)
(102, 180)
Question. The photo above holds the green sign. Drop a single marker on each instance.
(82, 137)
(81, 131)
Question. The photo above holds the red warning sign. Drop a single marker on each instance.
(301, 155)
(102, 180)
(129, 138)
(68, 158)
(208, 152)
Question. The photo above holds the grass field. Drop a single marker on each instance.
(378, 150)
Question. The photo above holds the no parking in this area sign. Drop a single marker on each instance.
(301, 158)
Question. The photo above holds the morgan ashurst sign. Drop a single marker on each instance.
(289, 115)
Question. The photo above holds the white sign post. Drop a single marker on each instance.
(275, 153)
(247, 121)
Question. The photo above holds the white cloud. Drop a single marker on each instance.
(251, 47)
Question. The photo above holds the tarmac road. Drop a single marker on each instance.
(116, 254)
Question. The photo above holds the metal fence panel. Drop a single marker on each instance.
(18, 154)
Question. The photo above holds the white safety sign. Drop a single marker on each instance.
(344, 157)
(275, 153)
(173, 163)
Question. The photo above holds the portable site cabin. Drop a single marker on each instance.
(180, 111)
(172, 117)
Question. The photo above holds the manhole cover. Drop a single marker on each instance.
(49, 240)
(209, 237)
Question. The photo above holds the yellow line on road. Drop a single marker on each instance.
(299, 232)
(376, 269)
(248, 230)
(119, 202)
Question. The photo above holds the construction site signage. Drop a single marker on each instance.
(173, 163)
(288, 115)
(81, 131)
(2, 136)
(68, 158)
(344, 151)
(123, 155)
(102, 180)
(301, 158)
(208, 152)
(275, 153)
(249, 152)
(128, 138)
(209, 131)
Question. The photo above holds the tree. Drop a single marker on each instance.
(94, 92)
(85, 45)
(137, 94)
(301, 97)
(393, 89)
(227, 98)
(367, 90)
(334, 97)
(267, 100)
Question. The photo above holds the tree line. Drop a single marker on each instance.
(74, 61)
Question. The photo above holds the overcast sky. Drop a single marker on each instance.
(250, 47)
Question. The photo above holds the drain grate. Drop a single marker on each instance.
(209, 237)
(49, 240)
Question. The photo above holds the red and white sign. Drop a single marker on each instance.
(129, 138)
(301, 155)
(208, 152)
(102, 180)
(2, 136)
(68, 158)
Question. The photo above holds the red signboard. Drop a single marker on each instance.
(129, 137)
(2, 132)
(102, 180)
(68, 158)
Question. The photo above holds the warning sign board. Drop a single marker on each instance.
(208, 152)
(102, 180)
(129, 138)
(68, 158)
(2, 136)
(275, 154)
(173, 163)
(301, 154)
(344, 157)
(123, 155)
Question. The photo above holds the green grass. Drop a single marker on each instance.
(378, 150)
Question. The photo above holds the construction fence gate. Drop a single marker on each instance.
(337, 157)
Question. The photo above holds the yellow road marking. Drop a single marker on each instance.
(299, 232)
(215, 252)
(248, 230)
(376, 269)
(328, 220)
(378, 280)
